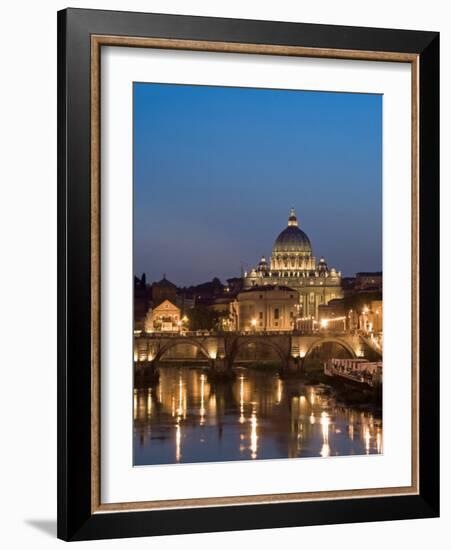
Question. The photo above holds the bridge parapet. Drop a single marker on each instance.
(152, 347)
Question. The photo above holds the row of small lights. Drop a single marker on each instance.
(324, 322)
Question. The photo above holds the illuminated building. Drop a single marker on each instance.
(332, 316)
(370, 319)
(293, 265)
(267, 308)
(163, 318)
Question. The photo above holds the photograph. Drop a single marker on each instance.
(258, 276)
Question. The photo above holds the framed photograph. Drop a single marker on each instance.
(248, 274)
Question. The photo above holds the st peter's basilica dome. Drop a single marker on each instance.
(292, 239)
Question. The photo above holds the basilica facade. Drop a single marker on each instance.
(293, 265)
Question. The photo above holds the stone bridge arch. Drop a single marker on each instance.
(326, 340)
(268, 342)
(173, 342)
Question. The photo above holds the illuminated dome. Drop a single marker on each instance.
(293, 266)
(292, 239)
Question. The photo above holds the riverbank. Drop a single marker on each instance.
(355, 395)
(346, 392)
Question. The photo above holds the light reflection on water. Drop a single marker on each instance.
(186, 418)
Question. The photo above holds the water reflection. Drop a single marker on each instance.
(254, 437)
(187, 418)
(325, 449)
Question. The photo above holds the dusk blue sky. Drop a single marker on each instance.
(216, 171)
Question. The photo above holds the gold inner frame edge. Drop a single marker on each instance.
(97, 41)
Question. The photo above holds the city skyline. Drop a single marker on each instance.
(216, 171)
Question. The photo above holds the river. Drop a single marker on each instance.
(186, 418)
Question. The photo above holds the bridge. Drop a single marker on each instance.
(221, 350)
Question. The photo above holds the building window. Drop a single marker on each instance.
(261, 314)
(276, 314)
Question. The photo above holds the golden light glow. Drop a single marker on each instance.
(178, 439)
(312, 397)
(135, 404)
(279, 390)
(212, 349)
(212, 405)
(181, 409)
(367, 438)
(325, 450)
(241, 419)
(378, 441)
(254, 437)
(325, 422)
(202, 400)
(149, 402)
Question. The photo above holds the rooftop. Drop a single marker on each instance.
(267, 288)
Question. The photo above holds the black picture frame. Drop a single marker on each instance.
(75, 518)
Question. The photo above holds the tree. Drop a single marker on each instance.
(203, 318)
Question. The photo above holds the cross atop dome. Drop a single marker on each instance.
(292, 220)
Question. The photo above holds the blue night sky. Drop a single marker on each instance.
(216, 171)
